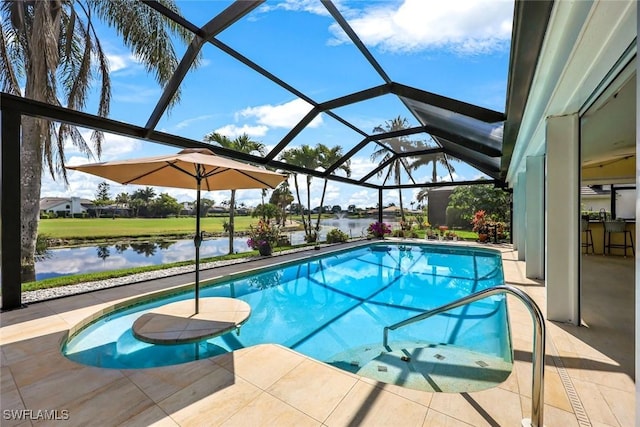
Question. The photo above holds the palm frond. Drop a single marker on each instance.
(146, 33)
(8, 78)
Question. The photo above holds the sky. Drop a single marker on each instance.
(459, 49)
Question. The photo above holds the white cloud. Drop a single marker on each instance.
(462, 26)
(312, 6)
(233, 131)
(284, 115)
(120, 62)
(188, 122)
(363, 198)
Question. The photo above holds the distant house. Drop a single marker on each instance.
(67, 206)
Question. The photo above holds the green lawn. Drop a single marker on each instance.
(102, 228)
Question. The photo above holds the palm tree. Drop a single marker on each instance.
(50, 49)
(400, 144)
(243, 144)
(434, 159)
(306, 157)
(282, 197)
(327, 157)
(122, 200)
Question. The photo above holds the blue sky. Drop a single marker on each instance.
(459, 49)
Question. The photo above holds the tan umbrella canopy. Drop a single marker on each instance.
(191, 168)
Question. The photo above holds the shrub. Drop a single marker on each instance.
(337, 236)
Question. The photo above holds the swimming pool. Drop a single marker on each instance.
(332, 308)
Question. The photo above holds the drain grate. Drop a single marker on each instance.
(482, 363)
(439, 356)
(574, 399)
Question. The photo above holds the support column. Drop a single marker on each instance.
(562, 217)
(535, 217)
(520, 223)
(10, 279)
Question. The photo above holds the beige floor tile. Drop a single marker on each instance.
(160, 383)
(110, 405)
(368, 405)
(313, 387)
(212, 400)
(554, 391)
(553, 417)
(436, 419)
(41, 365)
(266, 364)
(622, 404)
(594, 403)
(152, 417)
(418, 396)
(267, 410)
(489, 407)
(59, 387)
(511, 383)
(19, 351)
(32, 332)
(11, 400)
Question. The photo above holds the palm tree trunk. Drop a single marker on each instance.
(324, 189)
(304, 223)
(31, 171)
(231, 220)
(309, 208)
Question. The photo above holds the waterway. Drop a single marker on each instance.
(115, 256)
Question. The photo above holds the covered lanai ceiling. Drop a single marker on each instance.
(437, 127)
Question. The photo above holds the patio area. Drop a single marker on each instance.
(588, 380)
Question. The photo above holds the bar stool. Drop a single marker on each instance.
(588, 236)
(612, 227)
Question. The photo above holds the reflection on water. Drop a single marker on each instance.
(105, 257)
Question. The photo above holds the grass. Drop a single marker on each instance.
(103, 228)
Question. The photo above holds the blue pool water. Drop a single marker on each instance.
(328, 306)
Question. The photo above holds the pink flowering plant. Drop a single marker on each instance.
(263, 234)
(379, 229)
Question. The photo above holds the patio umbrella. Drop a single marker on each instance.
(192, 169)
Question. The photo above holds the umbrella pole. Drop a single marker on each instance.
(196, 241)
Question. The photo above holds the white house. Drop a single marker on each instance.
(71, 205)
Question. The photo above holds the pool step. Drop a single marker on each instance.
(434, 367)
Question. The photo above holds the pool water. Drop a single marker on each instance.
(333, 308)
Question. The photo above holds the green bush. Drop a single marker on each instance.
(454, 218)
(337, 236)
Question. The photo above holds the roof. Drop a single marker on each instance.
(440, 126)
(47, 203)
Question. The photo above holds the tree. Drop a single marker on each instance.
(306, 157)
(469, 199)
(400, 144)
(50, 49)
(165, 205)
(122, 200)
(326, 158)
(205, 205)
(266, 211)
(102, 197)
(243, 144)
(282, 197)
(141, 200)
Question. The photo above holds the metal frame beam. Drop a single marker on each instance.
(10, 208)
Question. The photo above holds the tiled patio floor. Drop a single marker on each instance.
(586, 383)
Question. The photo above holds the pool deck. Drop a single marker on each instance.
(588, 372)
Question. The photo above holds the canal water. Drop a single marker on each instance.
(94, 258)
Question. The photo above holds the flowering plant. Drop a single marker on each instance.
(263, 234)
(379, 229)
(479, 222)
